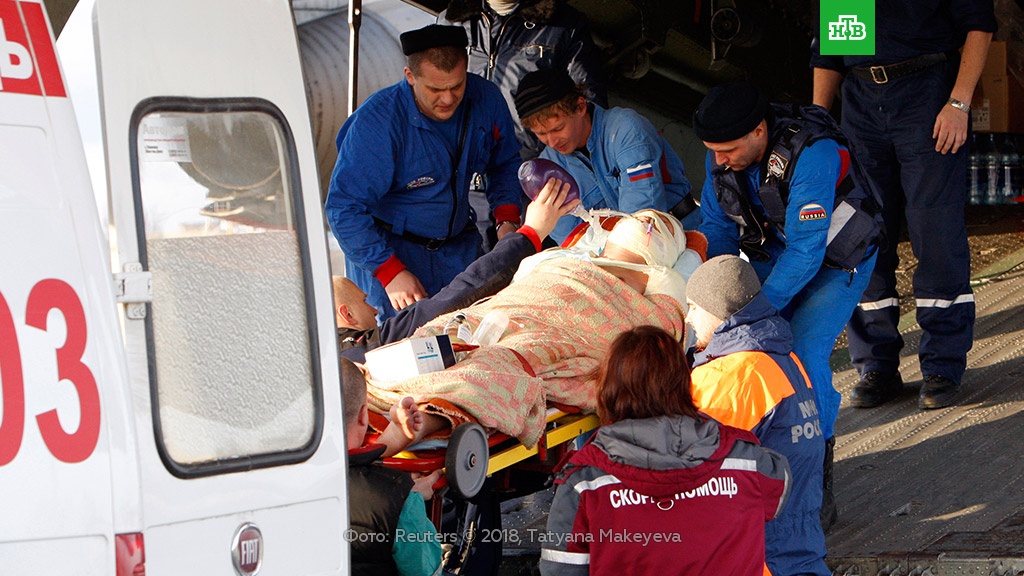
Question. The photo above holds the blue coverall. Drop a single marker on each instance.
(891, 124)
(394, 166)
(630, 167)
(816, 299)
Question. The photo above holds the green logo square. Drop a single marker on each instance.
(847, 27)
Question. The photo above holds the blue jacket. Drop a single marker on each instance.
(394, 165)
(749, 378)
(631, 166)
(797, 254)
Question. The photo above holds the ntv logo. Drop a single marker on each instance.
(847, 28)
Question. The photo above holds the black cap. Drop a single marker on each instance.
(729, 111)
(433, 36)
(540, 89)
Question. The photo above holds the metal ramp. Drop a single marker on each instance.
(942, 491)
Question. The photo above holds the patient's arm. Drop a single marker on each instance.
(489, 273)
(485, 276)
(408, 426)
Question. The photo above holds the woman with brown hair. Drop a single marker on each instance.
(661, 488)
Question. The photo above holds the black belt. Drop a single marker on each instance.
(882, 74)
(430, 243)
(686, 205)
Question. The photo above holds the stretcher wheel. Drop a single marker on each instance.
(466, 461)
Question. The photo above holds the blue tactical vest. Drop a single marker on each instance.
(856, 215)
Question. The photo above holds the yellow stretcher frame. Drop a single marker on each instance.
(469, 443)
(561, 428)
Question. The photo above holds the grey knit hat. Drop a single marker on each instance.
(723, 285)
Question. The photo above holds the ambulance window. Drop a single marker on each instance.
(231, 333)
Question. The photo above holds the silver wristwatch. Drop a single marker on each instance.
(965, 108)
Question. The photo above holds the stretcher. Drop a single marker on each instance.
(477, 466)
(470, 455)
(472, 458)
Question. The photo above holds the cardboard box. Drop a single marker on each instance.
(998, 101)
(995, 64)
(409, 358)
(998, 105)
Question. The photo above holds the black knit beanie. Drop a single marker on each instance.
(729, 111)
(723, 285)
(540, 89)
(433, 36)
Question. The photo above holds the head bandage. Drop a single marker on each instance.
(658, 238)
(655, 236)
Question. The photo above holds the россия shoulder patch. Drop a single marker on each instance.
(812, 212)
(640, 172)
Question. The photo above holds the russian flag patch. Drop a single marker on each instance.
(640, 172)
(812, 212)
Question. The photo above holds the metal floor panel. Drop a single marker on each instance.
(944, 485)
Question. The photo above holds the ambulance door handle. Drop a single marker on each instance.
(134, 289)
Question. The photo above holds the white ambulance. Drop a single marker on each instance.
(176, 411)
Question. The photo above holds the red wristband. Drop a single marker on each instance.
(532, 235)
(387, 271)
(507, 212)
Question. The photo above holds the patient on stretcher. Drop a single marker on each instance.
(564, 313)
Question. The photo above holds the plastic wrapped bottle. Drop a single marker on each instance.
(976, 172)
(993, 171)
(1011, 171)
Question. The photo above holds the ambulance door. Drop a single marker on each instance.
(224, 279)
(66, 475)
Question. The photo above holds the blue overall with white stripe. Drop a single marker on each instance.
(892, 124)
(627, 165)
(816, 296)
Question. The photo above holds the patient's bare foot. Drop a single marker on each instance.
(405, 429)
(408, 426)
(408, 416)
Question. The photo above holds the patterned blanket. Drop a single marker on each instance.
(563, 318)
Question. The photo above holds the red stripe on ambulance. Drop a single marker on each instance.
(28, 63)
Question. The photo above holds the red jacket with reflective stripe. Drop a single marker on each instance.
(667, 495)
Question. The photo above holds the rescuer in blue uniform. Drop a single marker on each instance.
(783, 189)
(907, 111)
(617, 157)
(398, 199)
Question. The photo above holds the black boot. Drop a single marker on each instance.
(937, 392)
(829, 514)
(876, 388)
